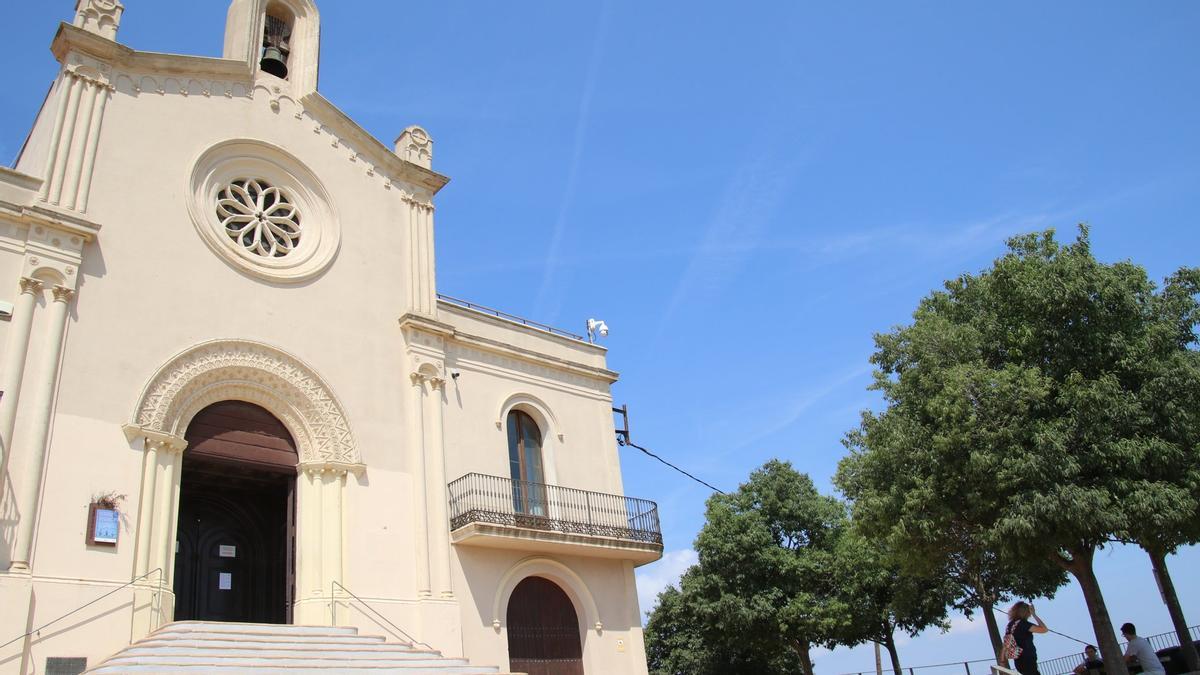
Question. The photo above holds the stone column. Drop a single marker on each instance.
(420, 483)
(435, 465)
(321, 551)
(12, 371)
(30, 489)
(157, 523)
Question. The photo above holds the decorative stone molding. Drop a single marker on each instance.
(62, 294)
(566, 578)
(30, 286)
(256, 373)
(234, 162)
(336, 469)
(414, 145)
(102, 17)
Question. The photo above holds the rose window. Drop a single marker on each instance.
(259, 217)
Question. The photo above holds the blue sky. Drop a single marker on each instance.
(747, 192)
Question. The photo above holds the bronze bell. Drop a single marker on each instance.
(273, 62)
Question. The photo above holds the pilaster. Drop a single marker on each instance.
(157, 520)
(321, 549)
(83, 90)
(12, 371)
(29, 489)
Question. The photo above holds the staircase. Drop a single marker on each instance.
(202, 647)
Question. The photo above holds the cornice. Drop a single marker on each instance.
(424, 324)
(70, 38)
(47, 216)
(329, 114)
(497, 347)
(20, 180)
(420, 322)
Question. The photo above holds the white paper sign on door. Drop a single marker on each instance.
(225, 581)
(226, 551)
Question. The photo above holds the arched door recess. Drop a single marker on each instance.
(543, 630)
(241, 370)
(235, 544)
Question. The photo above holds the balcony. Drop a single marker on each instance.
(495, 512)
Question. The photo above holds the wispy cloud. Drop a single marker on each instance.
(549, 296)
(794, 409)
(741, 218)
(654, 578)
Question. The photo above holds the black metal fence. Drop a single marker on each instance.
(479, 498)
(1066, 664)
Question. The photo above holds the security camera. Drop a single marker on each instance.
(596, 327)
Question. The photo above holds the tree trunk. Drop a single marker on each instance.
(993, 629)
(1080, 567)
(890, 643)
(1187, 647)
(802, 650)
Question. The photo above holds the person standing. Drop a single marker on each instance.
(1022, 631)
(1139, 648)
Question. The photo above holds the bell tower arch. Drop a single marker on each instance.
(277, 38)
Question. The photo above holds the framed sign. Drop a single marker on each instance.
(104, 526)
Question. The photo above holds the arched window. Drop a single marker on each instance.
(525, 464)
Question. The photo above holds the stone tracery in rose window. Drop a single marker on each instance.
(259, 217)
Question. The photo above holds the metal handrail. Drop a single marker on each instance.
(412, 640)
(39, 629)
(1064, 665)
(510, 317)
(497, 500)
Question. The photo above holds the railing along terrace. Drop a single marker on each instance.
(479, 498)
(1064, 665)
(510, 317)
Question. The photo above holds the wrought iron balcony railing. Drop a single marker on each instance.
(478, 498)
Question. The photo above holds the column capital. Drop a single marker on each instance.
(154, 440)
(337, 469)
(62, 294)
(30, 285)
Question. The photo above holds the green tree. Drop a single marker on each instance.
(1023, 390)
(881, 598)
(1162, 500)
(764, 585)
(677, 644)
(898, 488)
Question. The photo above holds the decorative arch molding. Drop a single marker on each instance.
(571, 583)
(535, 408)
(257, 373)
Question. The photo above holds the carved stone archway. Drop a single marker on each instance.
(242, 370)
(257, 373)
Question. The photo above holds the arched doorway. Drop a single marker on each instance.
(543, 630)
(235, 547)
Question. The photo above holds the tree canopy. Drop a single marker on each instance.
(1028, 407)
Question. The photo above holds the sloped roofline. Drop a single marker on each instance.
(72, 39)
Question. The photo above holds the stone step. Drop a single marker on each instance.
(209, 647)
(252, 662)
(225, 640)
(381, 652)
(254, 628)
(170, 669)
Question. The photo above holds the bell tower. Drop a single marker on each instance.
(280, 39)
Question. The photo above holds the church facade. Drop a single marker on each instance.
(232, 392)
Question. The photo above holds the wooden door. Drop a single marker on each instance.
(235, 551)
(543, 630)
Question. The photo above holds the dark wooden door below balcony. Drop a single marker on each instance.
(543, 630)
